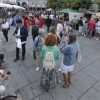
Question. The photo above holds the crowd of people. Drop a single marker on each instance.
(60, 34)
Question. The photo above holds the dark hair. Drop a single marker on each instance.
(3, 21)
(19, 21)
(72, 38)
(8, 73)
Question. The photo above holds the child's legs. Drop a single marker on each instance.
(65, 77)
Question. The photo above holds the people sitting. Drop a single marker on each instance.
(2, 61)
(3, 77)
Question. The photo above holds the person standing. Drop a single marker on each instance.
(5, 14)
(98, 30)
(21, 34)
(59, 29)
(5, 27)
(38, 44)
(35, 33)
(69, 51)
(80, 26)
(48, 23)
(27, 21)
(32, 20)
(41, 22)
(91, 27)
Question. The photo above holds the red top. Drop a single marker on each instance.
(41, 22)
(33, 21)
(91, 25)
(26, 22)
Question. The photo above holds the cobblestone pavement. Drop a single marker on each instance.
(24, 79)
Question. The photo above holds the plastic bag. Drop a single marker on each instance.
(19, 45)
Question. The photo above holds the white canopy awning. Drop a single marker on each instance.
(10, 6)
(5, 5)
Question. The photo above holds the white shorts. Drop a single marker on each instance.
(98, 30)
(65, 69)
(80, 29)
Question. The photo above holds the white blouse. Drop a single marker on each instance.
(5, 25)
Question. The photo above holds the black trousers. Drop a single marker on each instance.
(23, 51)
(1, 58)
(5, 33)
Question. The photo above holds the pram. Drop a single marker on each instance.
(49, 79)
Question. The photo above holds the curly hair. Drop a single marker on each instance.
(50, 40)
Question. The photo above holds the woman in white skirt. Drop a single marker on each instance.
(98, 30)
(69, 51)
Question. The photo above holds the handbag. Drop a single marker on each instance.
(79, 57)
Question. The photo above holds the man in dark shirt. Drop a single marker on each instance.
(21, 33)
(48, 23)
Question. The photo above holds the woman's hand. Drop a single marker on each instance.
(63, 41)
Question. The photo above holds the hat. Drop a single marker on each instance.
(41, 31)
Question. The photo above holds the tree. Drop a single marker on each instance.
(72, 4)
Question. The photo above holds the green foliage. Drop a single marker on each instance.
(72, 4)
(98, 2)
(86, 4)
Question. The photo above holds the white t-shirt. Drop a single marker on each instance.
(98, 23)
(5, 25)
(51, 16)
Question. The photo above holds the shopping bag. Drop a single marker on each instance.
(19, 45)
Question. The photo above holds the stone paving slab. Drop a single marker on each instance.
(82, 82)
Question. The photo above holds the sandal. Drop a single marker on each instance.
(69, 82)
(66, 85)
(42, 89)
(50, 90)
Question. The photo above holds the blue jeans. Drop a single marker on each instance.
(91, 31)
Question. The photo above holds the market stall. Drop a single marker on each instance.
(71, 14)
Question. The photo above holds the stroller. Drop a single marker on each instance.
(49, 79)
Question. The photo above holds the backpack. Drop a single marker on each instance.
(49, 62)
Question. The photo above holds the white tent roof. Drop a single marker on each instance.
(11, 6)
(5, 5)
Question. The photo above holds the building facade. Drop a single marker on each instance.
(23, 3)
(13, 2)
(32, 3)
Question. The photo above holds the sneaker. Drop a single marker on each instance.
(23, 58)
(16, 59)
(37, 69)
(3, 67)
(2, 61)
(97, 39)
